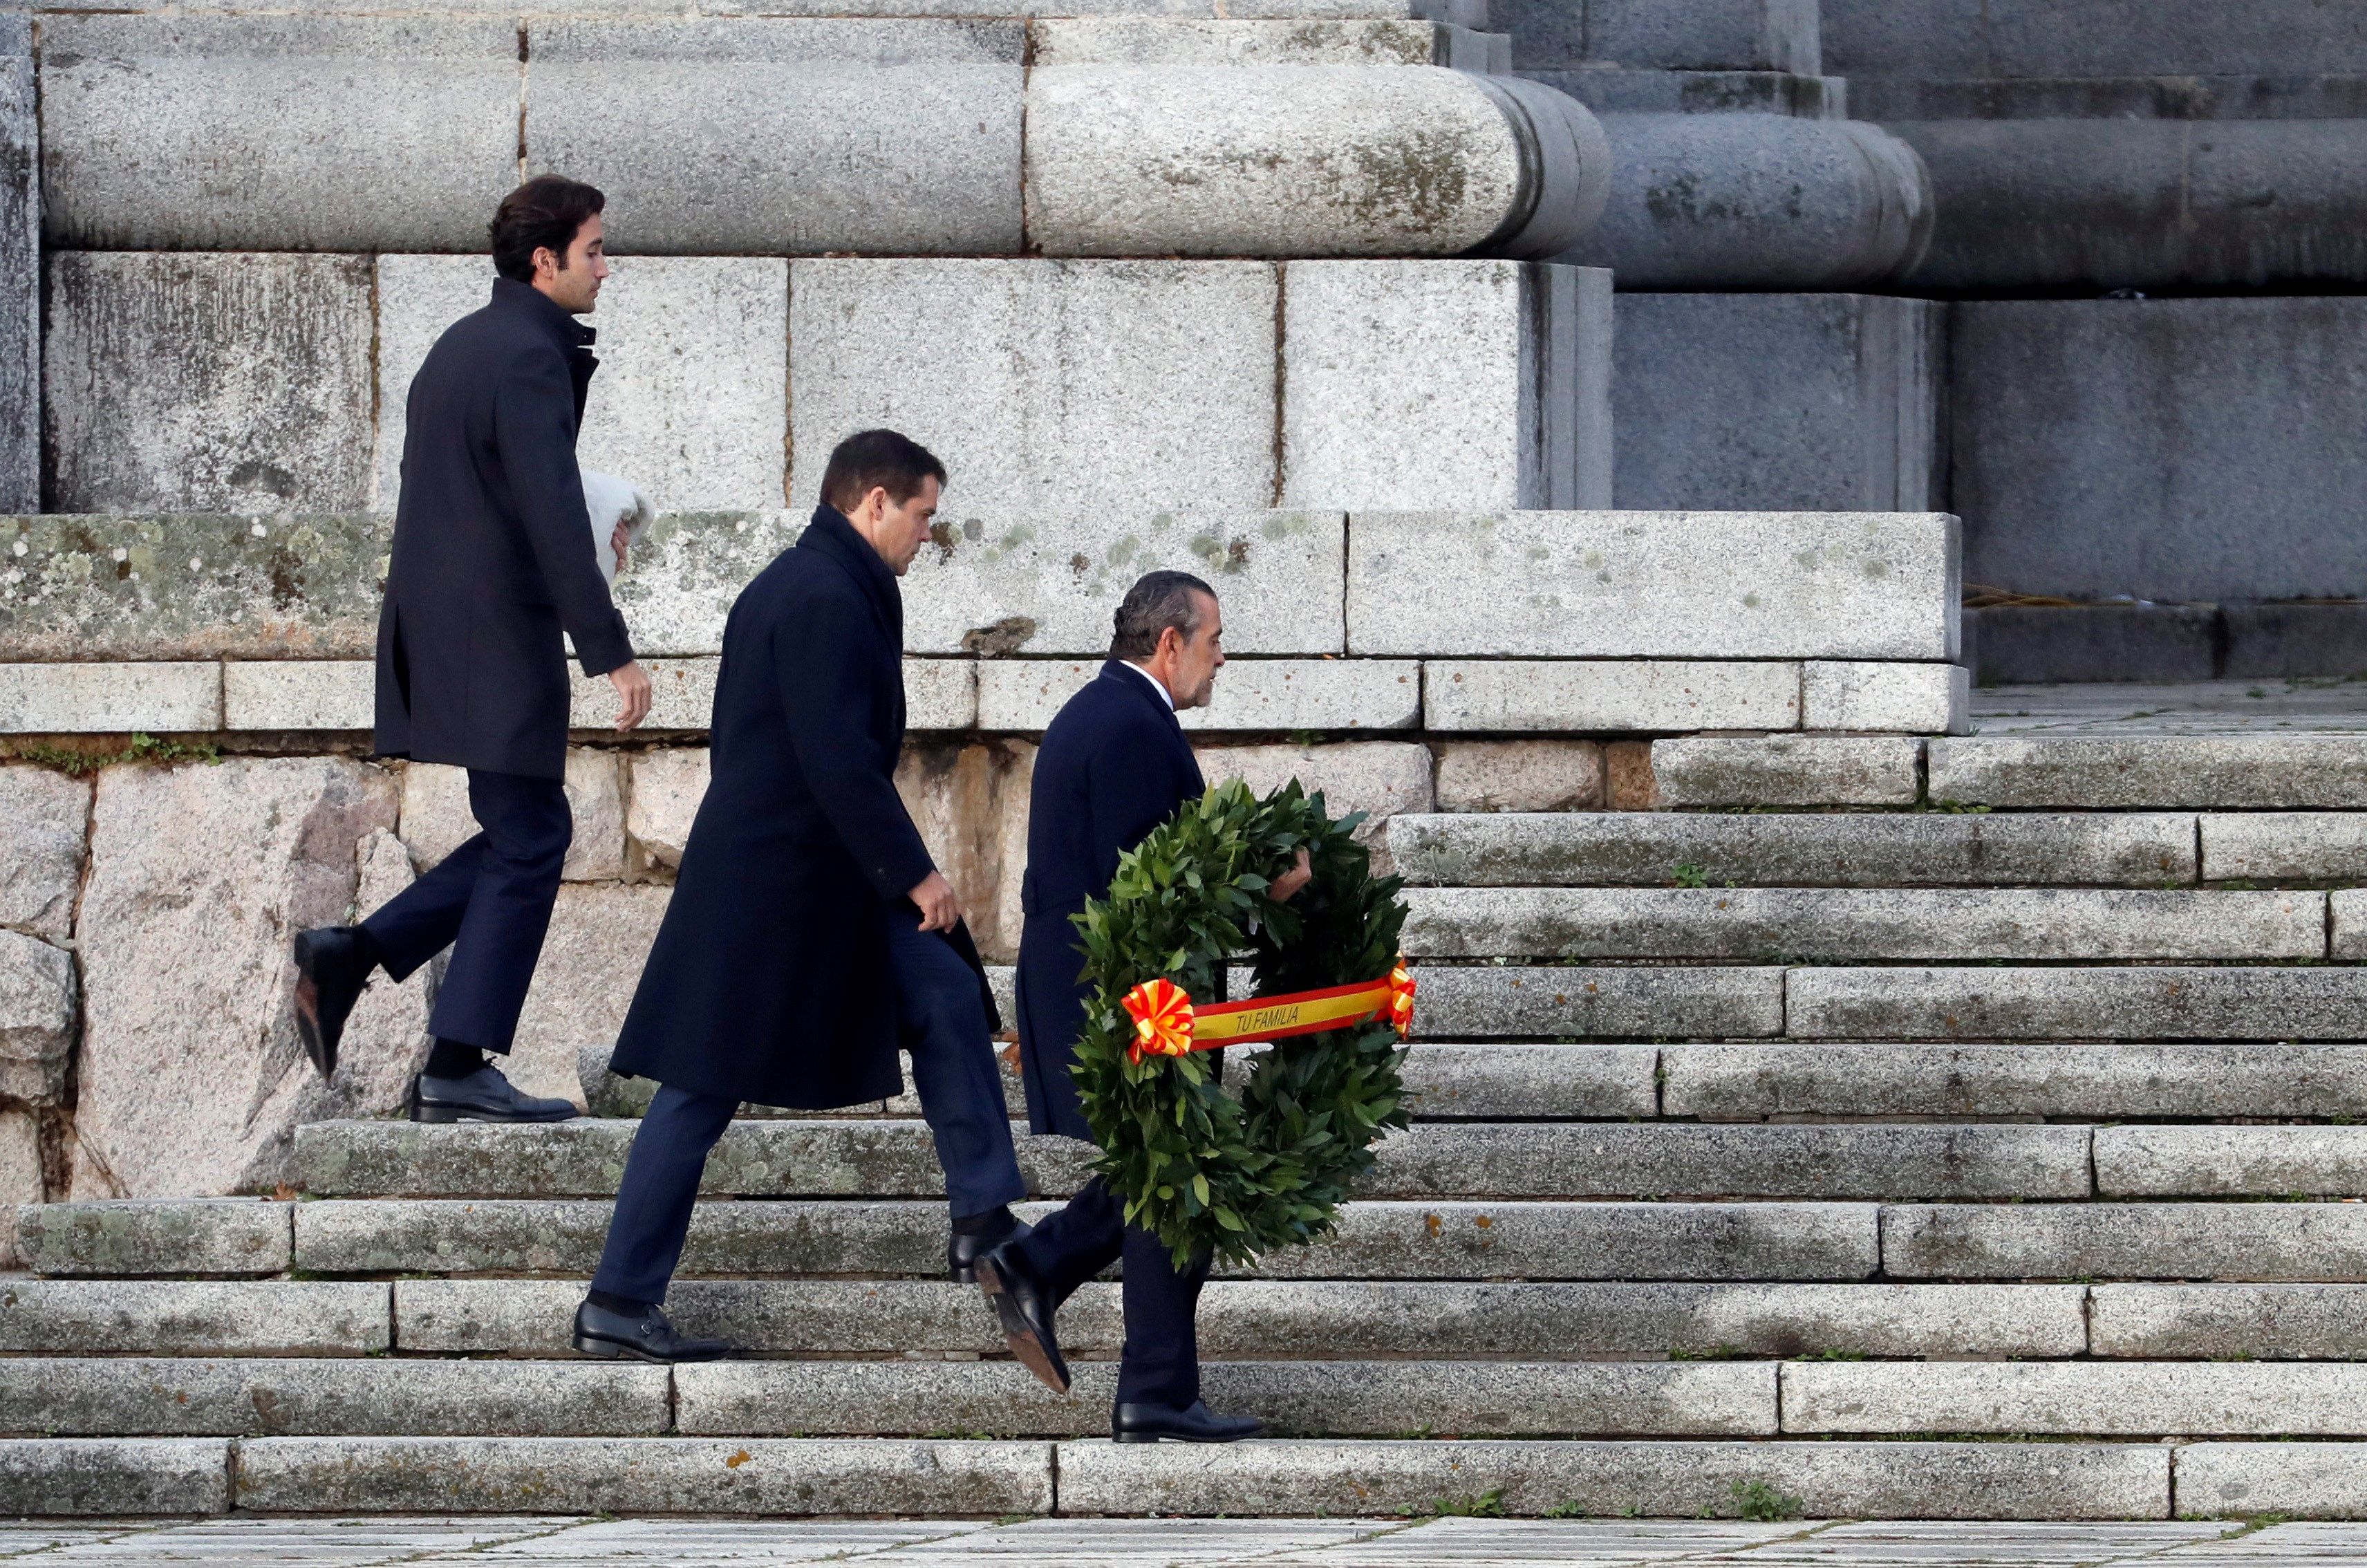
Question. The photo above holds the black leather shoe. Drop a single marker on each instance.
(1157, 1423)
(649, 1338)
(484, 1096)
(332, 965)
(1025, 1308)
(962, 1252)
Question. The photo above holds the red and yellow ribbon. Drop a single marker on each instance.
(1167, 1023)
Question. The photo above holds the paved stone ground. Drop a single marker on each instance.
(2193, 708)
(1171, 1543)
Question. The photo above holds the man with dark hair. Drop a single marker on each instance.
(493, 559)
(1114, 766)
(809, 934)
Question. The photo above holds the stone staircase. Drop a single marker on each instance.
(1988, 1154)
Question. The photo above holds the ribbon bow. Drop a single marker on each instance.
(1401, 990)
(1162, 1019)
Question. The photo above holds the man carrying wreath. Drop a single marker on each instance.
(1115, 764)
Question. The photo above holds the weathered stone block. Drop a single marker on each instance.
(643, 1475)
(1784, 770)
(174, 133)
(2119, 38)
(1379, 778)
(1136, 41)
(1416, 384)
(739, 146)
(1768, 402)
(2230, 1162)
(1611, 695)
(2271, 845)
(2264, 1323)
(599, 938)
(1211, 160)
(42, 852)
(940, 694)
(191, 1396)
(1251, 694)
(2322, 772)
(114, 1476)
(2098, 1399)
(2348, 932)
(1518, 776)
(1001, 1398)
(681, 696)
(191, 1074)
(1958, 1481)
(207, 384)
(2237, 481)
(1757, 201)
(2048, 643)
(970, 804)
(1600, 1002)
(306, 694)
(691, 401)
(228, 1236)
(2127, 1241)
(194, 1317)
(2311, 1480)
(2029, 924)
(1053, 388)
(1654, 585)
(1485, 1081)
(1933, 700)
(20, 272)
(1699, 35)
(74, 589)
(37, 1017)
(1046, 584)
(2078, 1004)
(1627, 781)
(666, 788)
(103, 699)
(1796, 848)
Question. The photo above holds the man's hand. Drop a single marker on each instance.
(1287, 886)
(619, 541)
(935, 901)
(632, 684)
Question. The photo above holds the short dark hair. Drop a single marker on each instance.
(1157, 601)
(548, 209)
(877, 459)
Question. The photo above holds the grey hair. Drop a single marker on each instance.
(1157, 601)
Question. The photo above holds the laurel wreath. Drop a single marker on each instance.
(1206, 1171)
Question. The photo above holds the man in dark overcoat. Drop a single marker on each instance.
(1113, 765)
(493, 559)
(809, 934)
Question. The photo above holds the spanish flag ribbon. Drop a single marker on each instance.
(1167, 1023)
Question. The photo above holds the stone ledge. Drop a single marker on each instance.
(219, 1236)
(113, 1477)
(1251, 695)
(1961, 1480)
(195, 1317)
(2310, 1481)
(109, 699)
(2084, 1399)
(1617, 695)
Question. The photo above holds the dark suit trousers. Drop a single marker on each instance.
(1161, 1364)
(942, 1019)
(490, 901)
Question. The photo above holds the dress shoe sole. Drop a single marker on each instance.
(1017, 1333)
(614, 1349)
(446, 1114)
(963, 1275)
(1117, 1437)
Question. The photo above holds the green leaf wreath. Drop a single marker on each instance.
(1205, 1171)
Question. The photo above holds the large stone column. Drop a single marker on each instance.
(20, 271)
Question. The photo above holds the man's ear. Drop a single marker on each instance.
(1170, 641)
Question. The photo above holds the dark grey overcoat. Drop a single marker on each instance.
(492, 548)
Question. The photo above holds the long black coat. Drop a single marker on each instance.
(1114, 766)
(769, 980)
(492, 548)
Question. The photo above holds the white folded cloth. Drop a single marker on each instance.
(611, 500)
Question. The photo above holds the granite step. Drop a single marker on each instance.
(2309, 771)
(1780, 923)
(1520, 1160)
(2257, 1242)
(1239, 1318)
(2154, 1002)
(1810, 849)
(1753, 1079)
(2103, 1399)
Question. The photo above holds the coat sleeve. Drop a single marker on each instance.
(819, 650)
(534, 411)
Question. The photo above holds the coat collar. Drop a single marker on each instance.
(831, 534)
(571, 335)
(1131, 680)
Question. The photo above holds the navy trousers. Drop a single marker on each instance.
(942, 1021)
(490, 901)
(1160, 1363)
